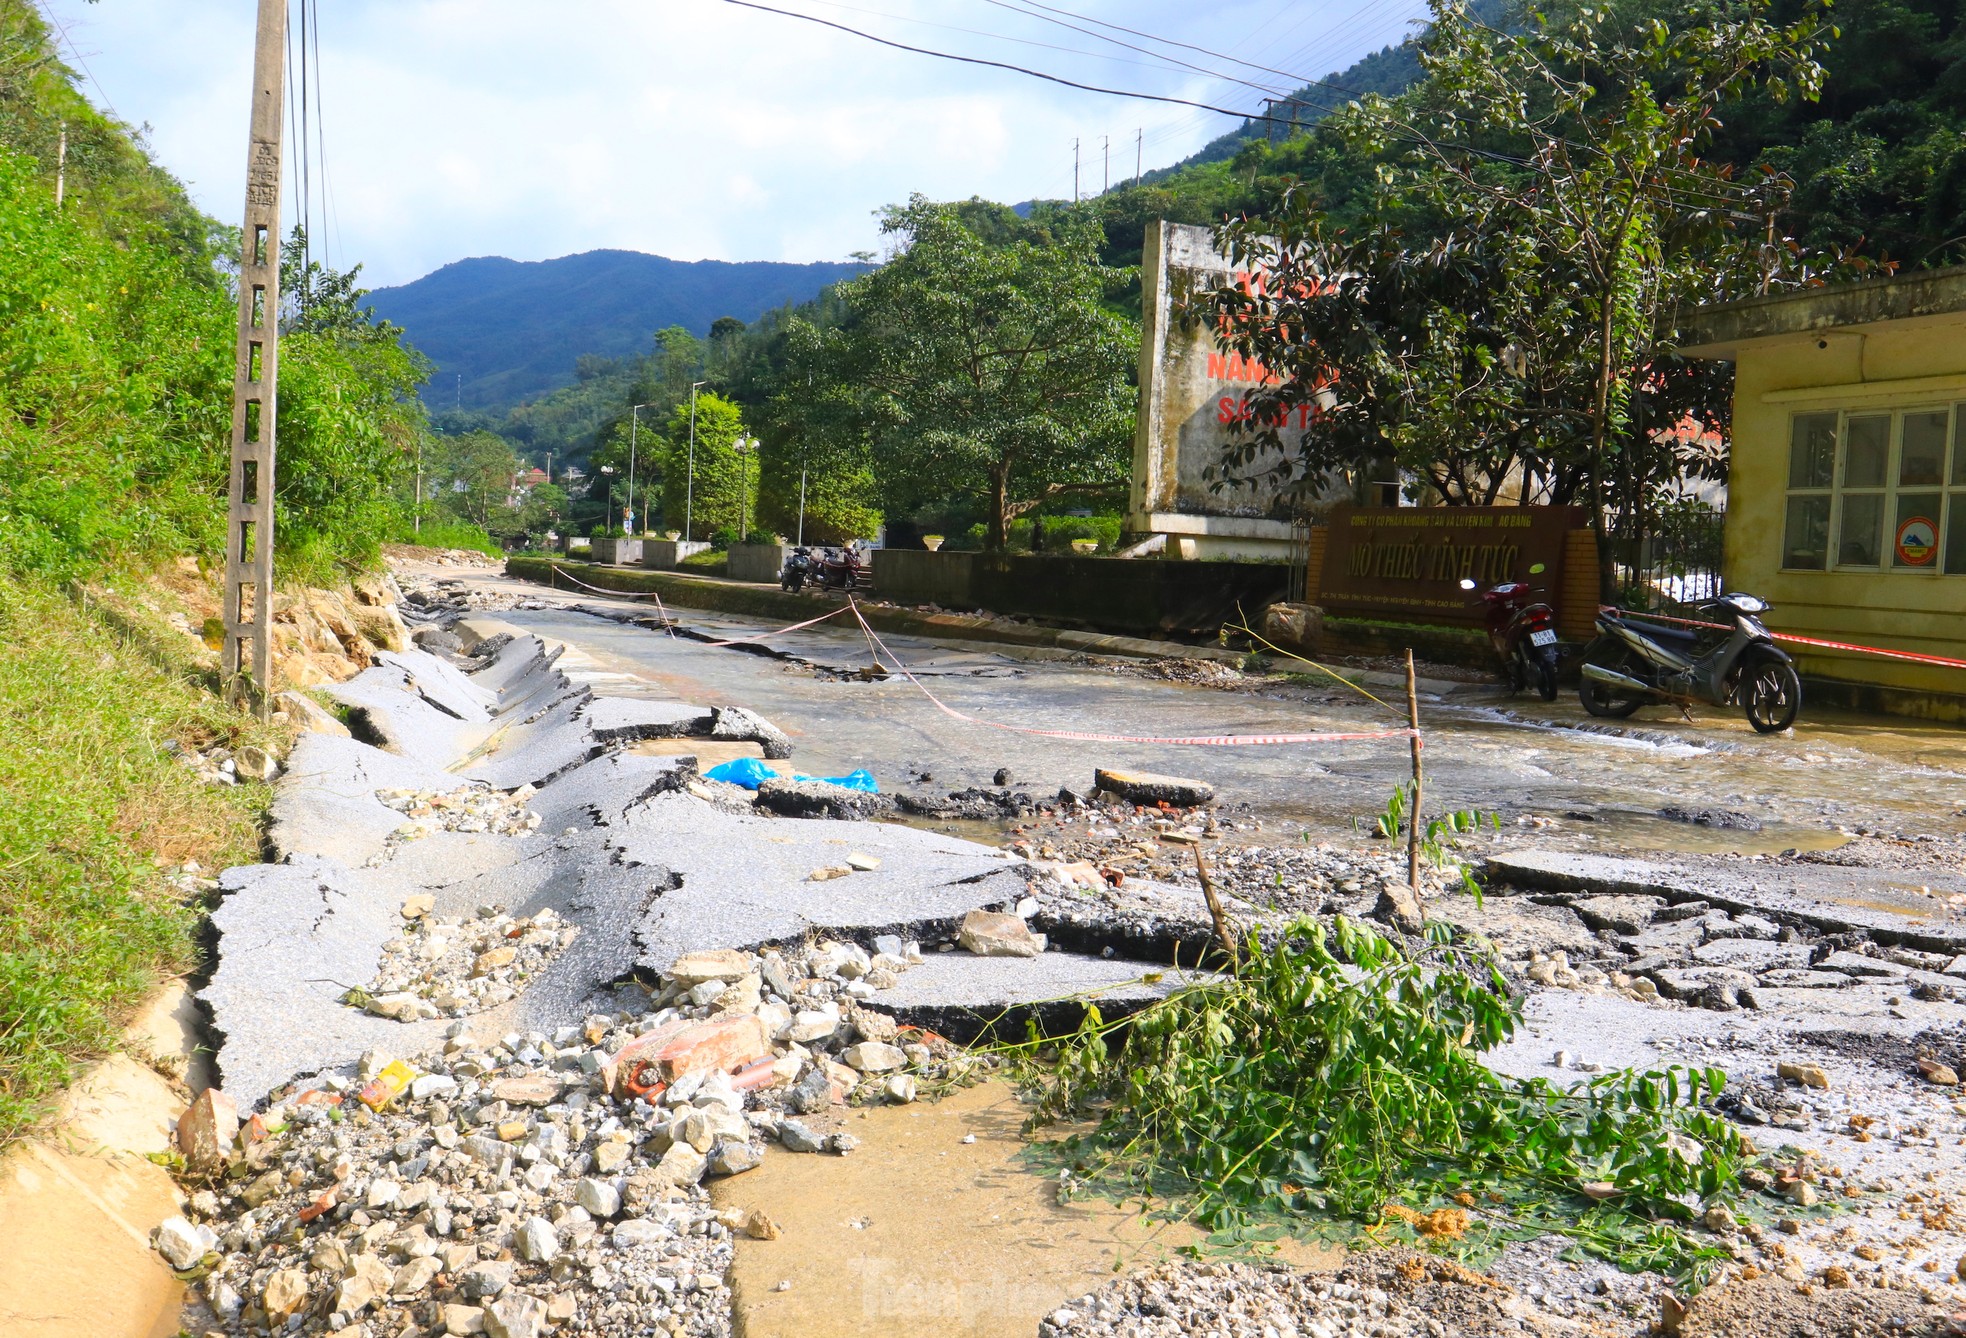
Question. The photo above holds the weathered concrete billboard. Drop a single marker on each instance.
(1193, 392)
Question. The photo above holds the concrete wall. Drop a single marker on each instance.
(757, 562)
(1116, 594)
(627, 552)
(917, 576)
(1918, 362)
(667, 554)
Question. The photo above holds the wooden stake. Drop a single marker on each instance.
(1225, 933)
(1413, 810)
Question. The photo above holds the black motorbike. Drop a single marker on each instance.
(799, 568)
(1634, 662)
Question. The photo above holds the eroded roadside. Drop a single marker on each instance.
(517, 1185)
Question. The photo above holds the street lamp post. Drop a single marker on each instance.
(609, 471)
(689, 483)
(744, 447)
(634, 432)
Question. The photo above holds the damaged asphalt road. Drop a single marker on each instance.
(1746, 962)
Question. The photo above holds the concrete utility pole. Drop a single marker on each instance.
(1075, 171)
(61, 166)
(247, 658)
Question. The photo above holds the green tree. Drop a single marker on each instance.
(816, 474)
(471, 476)
(350, 420)
(984, 360)
(1543, 210)
(720, 488)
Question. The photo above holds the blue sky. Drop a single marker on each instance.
(688, 128)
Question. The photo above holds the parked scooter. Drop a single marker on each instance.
(1633, 663)
(828, 568)
(798, 569)
(1523, 634)
(842, 569)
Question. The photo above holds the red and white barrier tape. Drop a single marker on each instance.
(1088, 736)
(763, 636)
(1912, 656)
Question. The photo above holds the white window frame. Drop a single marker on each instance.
(1951, 488)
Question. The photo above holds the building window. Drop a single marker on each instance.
(1877, 490)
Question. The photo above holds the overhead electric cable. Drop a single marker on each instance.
(1185, 46)
(991, 36)
(1186, 65)
(1002, 65)
(306, 157)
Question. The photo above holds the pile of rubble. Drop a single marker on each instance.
(220, 765)
(533, 1183)
(472, 808)
(447, 967)
(1386, 1294)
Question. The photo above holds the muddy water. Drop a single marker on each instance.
(1515, 756)
(920, 1232)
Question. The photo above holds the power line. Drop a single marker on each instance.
(1185, 46)
(1198, 69)
(1160, 64)
(76, 51)
(997, 64)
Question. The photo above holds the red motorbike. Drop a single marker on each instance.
(1523, 634)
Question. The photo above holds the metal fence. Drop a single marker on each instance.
(1676, 566)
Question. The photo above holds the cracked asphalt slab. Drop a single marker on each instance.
(642, 869)
(1811, 946)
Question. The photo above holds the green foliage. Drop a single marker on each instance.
(725, 487)
(983, 360)
(1499, 310)
(1058, 533)
(116, 348)
(1339, 1074)
(446, 534)
(93, 804)
(469, 476)
(115, 382)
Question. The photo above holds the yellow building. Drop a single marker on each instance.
(1846, 502)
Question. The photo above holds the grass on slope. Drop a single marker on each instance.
(93, 808)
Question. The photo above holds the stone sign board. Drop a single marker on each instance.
(1406, 563)
(1194, 390)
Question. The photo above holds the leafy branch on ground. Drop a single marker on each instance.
(1340, 1075)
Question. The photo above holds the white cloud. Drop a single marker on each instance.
(690, 128)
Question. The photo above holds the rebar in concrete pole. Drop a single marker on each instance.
(247, 657)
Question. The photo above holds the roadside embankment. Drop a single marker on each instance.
(127, 782)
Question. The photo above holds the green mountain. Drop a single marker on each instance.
(505, 331)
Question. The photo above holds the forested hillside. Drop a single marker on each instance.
(503, 331)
